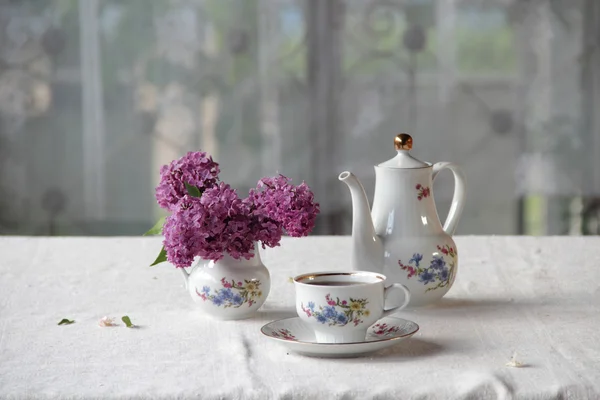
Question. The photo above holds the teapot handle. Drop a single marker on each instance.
(458, 200)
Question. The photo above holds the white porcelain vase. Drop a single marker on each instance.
(229, 289)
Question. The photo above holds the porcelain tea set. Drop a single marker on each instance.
(400, 250)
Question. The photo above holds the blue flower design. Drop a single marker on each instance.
(329, 312)
(438, 263)
(337, 313)
(226, 294)
(237, 299)
(416, 258)
(217, 301)
(444, 274)
(341, 319)
(426, 277)
(232, 294)
(439, 271)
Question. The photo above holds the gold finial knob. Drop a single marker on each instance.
(403, 141)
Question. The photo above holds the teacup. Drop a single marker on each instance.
(341, 306)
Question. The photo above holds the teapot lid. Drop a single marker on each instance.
(403, 143)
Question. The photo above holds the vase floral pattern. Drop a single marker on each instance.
(232, 294)
(283, 334)
(385, 329)
(441, 269)
(422, 191)
(338, 312)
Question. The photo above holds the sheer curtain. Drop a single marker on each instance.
(96, 95)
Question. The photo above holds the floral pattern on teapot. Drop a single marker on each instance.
(422, 191)
(439, 270)
(352, 311)
(232, 294)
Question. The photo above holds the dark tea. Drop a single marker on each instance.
(332, 283)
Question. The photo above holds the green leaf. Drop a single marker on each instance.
(192, 190)
(157, 228)
(65, 321)
(162, 257)
(127, 321)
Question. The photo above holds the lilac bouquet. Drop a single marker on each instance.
(208, 219)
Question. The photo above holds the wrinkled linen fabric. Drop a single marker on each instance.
(539, 297)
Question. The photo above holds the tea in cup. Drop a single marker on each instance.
(340, 306)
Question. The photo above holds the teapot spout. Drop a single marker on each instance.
(367, 248)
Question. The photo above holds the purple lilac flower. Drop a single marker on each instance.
(182, 239)
(292, 207)
(195, 168)
(321, 318)
(228, 214)
(264, 229)
(342, 319)
(208, 226)
(220, 222)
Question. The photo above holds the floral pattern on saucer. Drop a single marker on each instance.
(351, 311)
(294, 335)
(283, 334)
(384, 329)
(232, 294)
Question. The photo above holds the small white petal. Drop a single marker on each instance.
(106, 321)
(514, 363)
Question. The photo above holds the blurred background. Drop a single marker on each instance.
(96, 95)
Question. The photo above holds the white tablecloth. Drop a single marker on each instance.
(539, 297)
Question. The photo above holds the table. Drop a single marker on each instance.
(539, 297)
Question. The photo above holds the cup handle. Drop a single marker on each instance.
(388, 290)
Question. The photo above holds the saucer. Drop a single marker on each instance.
(297, 337)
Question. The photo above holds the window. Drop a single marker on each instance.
(96, 95)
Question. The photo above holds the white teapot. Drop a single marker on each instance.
(402, 236)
